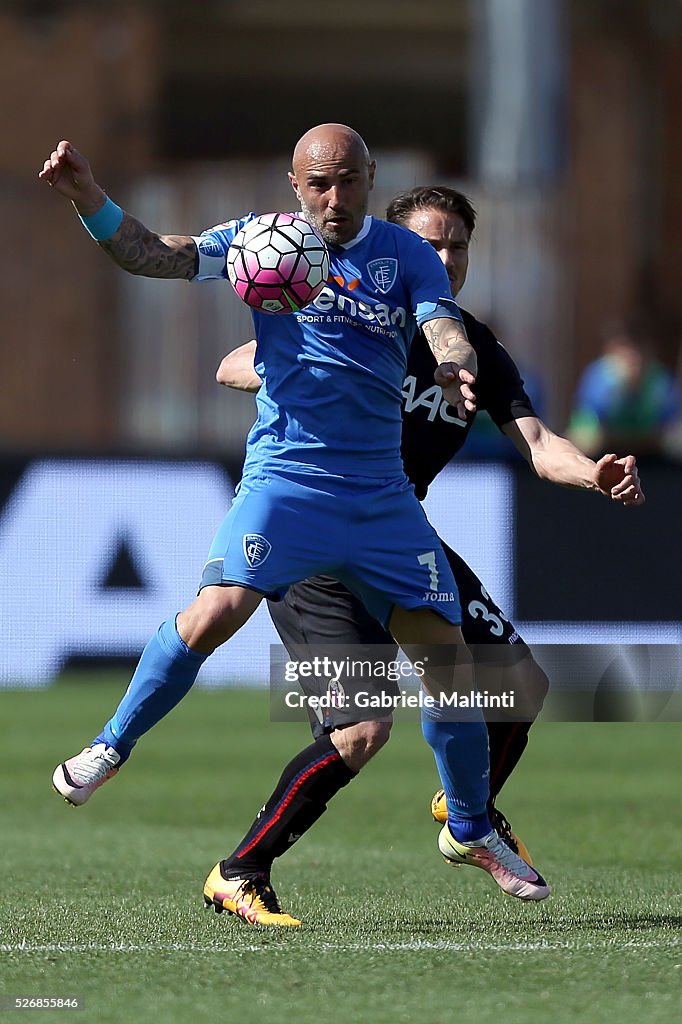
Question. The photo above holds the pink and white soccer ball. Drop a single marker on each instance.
(278, 263)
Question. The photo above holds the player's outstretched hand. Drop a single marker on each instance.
(618, 479)
(68, 172)
(456, 383)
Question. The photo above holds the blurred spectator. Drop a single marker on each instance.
(625, 399)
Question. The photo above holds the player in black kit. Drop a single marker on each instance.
(320, 612)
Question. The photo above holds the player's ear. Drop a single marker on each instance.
(371, 169)
(294, 184)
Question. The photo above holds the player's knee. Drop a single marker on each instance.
(375, 735)
(215, 615)
(358, 743)
(530, 685)
(539, 684)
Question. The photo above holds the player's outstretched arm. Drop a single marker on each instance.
(457, 362)
(132, 245)
(557, 459)
(237, 370)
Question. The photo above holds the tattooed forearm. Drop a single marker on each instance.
(448, 341)
(140, 251)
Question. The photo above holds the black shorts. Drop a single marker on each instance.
(320, 611)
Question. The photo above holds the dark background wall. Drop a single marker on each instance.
(580, 559)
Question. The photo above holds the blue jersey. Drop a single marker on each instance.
(333, 373)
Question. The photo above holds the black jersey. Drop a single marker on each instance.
(432, 431)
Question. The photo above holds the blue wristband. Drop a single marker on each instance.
(105, 222)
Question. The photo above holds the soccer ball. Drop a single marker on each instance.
(278, 263)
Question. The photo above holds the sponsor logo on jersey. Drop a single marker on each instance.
(383, 272)
(377, 313)
(209, 247)
(432, 399)
(256, 549)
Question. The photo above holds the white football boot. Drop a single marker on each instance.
(513, 875)
(78, 778)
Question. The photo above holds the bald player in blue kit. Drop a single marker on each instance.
(321, 615)
(323, 488)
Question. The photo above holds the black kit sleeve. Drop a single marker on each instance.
(501, 390)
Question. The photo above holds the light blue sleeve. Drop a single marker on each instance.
(212, 246)
(432, 310)
(427, 282)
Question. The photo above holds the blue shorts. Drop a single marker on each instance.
(373, 536)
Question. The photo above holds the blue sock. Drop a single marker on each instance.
(461, 753)
(164, 674)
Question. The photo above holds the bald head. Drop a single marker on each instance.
(332, 175)
(326, 141)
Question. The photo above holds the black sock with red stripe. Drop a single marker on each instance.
(307, 783)
(507, 742)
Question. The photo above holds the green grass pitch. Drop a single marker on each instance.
(104, 902)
